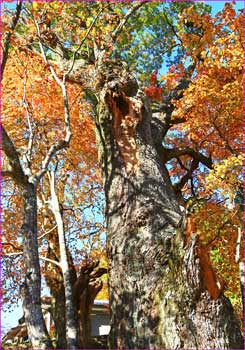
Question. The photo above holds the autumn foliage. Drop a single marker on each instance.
(209, 118)
(206, 118)
(153, 91)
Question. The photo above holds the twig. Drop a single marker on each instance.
(50, 260)
(12, 254)
(227, 222)
(238, 245)
(172, 27)
(11, 245)
(47, 232)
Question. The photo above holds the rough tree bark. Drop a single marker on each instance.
(85, 289)
(86, 284)
(163, 293)
(31, 288)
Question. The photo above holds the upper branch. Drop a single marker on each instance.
(172, 27)
(13, 157)
(6, 44)
(28, 153)
(187, 176)
(170, 153)
(122, 23)
(177, 93)
(83, 40)
(61, 144)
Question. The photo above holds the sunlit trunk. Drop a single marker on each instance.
(71, 324)
(31, 289)
(159, 295)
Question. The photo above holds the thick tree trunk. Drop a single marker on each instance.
(159, 296)
(31, 289)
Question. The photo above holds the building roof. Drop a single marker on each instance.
(101, 302)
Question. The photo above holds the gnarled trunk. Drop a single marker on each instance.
(31, 289)
(159, 296)
(85, 289)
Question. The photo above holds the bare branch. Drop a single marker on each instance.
(170, 153)
(61, 144)
(55, 76)
(27, 155)
(187, 176)
(50, 260)
(12, 245)
(12, 254)
(47, 232)
(18, 252)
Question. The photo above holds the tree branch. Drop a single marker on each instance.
(170, 153)
(17, 172)
(12, 254)
(122, 23)
(6, 44)
(7, 173)
(27, 155)
(177, 93)
(47, 232)
(55, 76)
(172, 27)
(51, 261)
(12, 245)
(61, 144)
(84, 39)
(187, 176)
(238, 245)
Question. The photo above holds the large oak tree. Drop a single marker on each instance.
(164, 292)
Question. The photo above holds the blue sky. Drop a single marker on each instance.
(218, 5)
(11, 318)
